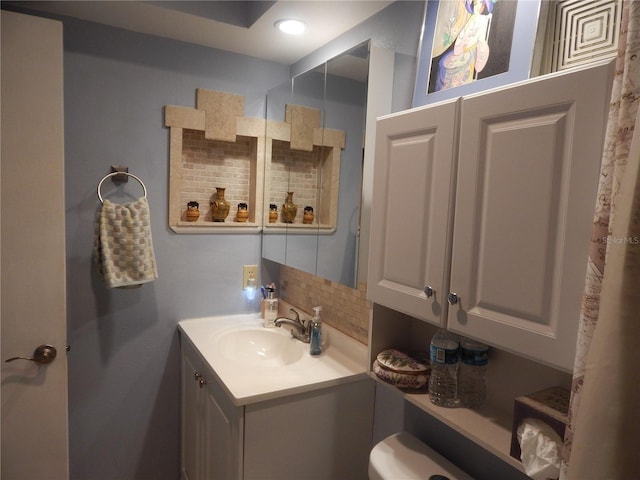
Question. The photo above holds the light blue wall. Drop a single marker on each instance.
(124, 361)
(397, 28)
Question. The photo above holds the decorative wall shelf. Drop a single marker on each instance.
(303, 158)
(298, 229)
(214, 145)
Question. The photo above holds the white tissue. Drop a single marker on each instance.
(540, 449)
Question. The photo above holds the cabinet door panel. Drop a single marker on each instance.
(190, 429)
(221, 448)
(411, 216)
(527, 178)
(212, 427)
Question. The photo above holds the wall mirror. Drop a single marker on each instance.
(329, 105)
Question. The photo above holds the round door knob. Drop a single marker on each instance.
(428, 291)
(452, 298)
(42, 355)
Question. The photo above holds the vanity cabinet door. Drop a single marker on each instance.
(411, 210)
(211, 443)
(192, 428)
(526, 187)
(223, 426)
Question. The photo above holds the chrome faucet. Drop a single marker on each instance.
(301, 328)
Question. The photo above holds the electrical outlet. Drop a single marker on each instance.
(249, 271)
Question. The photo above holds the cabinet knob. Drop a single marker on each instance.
(197, 376)
(452, 298)
(429, 291)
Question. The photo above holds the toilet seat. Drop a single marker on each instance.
(403, 457)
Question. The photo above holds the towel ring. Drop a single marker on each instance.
(120, 173)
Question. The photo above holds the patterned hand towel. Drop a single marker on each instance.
(123, 248)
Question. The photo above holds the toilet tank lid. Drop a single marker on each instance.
(402, 455)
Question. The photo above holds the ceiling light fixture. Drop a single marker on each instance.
(291, 27)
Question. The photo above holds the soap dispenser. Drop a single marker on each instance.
(271, 309)
(316, 332)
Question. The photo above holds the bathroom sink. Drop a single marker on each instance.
(254, 363)
(260, 346)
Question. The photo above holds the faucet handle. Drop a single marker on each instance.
(295, 312)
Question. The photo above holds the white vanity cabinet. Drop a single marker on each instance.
(310, 423)
(487, 201)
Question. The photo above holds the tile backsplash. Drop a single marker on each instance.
(344, 308)
(207, 164)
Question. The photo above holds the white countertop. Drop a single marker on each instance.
(343, 360)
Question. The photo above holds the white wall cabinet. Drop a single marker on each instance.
(412, 210)
(489, 200)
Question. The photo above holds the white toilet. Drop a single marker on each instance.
(403, 457)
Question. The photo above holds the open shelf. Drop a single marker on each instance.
(215, 146)
(299, 228)
(488, 426)
(509, 376)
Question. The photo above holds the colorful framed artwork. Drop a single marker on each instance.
(472, 45)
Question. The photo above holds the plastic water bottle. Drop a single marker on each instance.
(472, 373)
(443, 380)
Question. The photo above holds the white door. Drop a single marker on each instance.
(527, 180)
(412, 210)
(32, 299)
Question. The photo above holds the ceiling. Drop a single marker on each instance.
(245, 27)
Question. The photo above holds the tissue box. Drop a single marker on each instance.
(550, 406)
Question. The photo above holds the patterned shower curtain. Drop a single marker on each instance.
(604, 415)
